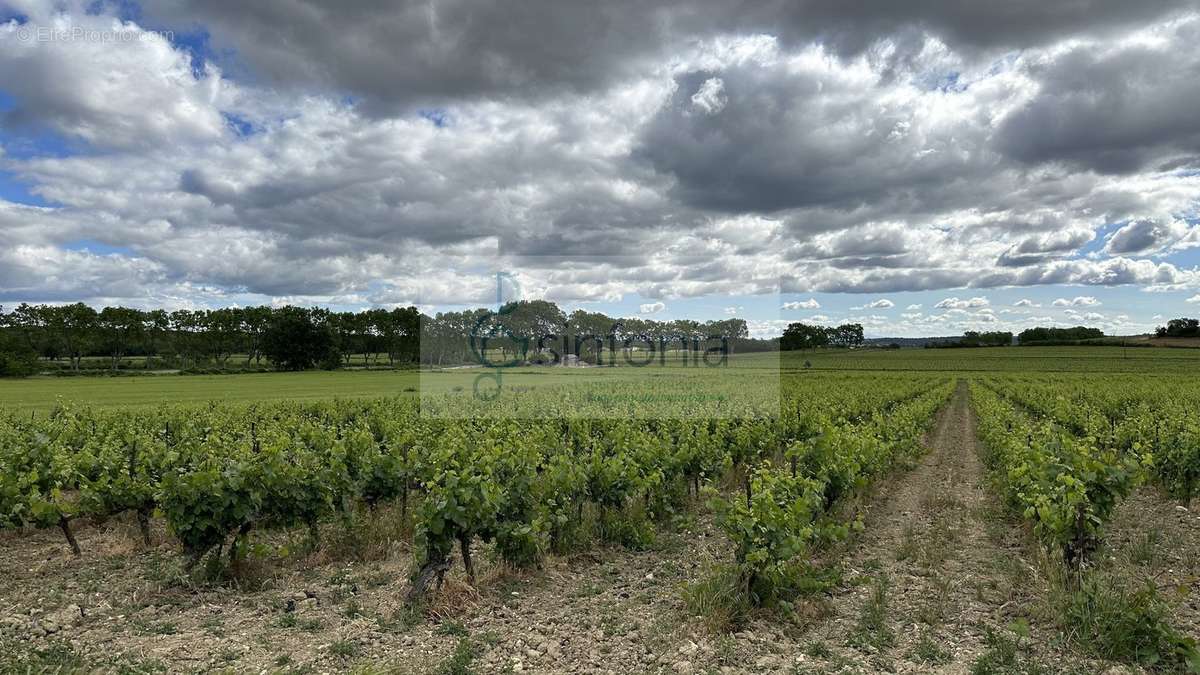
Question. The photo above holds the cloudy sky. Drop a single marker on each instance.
(922, 167)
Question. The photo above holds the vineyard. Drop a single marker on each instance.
(745, 518)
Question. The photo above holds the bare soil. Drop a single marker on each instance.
(1156, 539)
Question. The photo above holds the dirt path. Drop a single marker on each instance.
(937, 569)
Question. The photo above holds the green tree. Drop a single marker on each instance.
(298, 339)
(222, 330)
(119, 328)
(255, 321)
(156, 324)
(17, 358)
(799, 336)
(76, 326)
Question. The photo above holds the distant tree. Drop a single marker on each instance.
(187, 335)
(30, 322)
(850, 335)
(255, 321)
(528, 322)
(992, 339)
(298, 339)
(119, 328)
(802, 336)
(588, 331)
(75, 325)
(156, 324)
(17, 358)
(1042, 334)
(222, 330)
(344, 328)
(1180, 328)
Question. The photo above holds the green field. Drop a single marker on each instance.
(1006, 359)
(41, 393)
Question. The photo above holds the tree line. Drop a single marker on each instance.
(973, 338)
(1043, 335)
(537, 331)
(290, 338)
(1180, 328)
(803, 336)
(81, 338)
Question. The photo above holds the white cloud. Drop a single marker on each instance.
(968, 303)
(136, 92)
(1194, 299)
(811, 303)
(711, 96)
(882, 303)
(731, 311)
(1080, 301)
(913, 307)
(651, 308)
(1025, 302)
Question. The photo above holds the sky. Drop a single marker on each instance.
(922, 168)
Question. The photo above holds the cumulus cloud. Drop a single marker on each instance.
(409, 51)
(811, 303)
(1080, 301)
(967, 303)
(1195, 299)
(1113, 108)
(710, 98)
(1041, 247)
(651, 308)
(137, 91)
(1146, 235)
(1026, 302)
(882, 303)
(674, 149)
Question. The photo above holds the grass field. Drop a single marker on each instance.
(41, 393)
(1006, 359)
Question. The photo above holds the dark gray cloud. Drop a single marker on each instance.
(1145, 235)
(1113, 109)
(788, 139)
(420, 52)
(1039, 249)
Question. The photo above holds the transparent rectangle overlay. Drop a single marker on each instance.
(522, 357)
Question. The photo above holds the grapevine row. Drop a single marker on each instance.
(218, 473)
(1067, 486)
(1158, 422)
